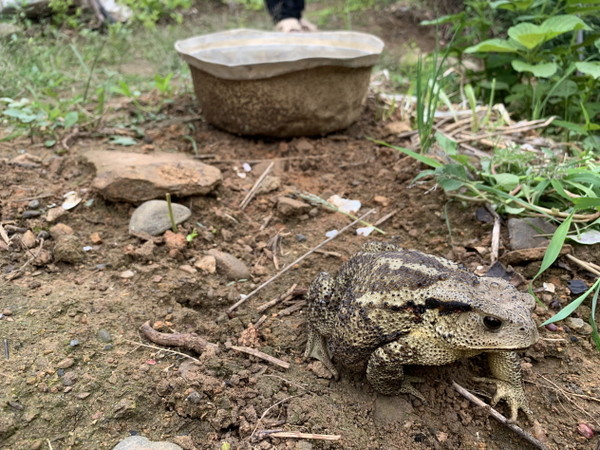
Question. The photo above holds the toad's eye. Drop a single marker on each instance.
(492, 323)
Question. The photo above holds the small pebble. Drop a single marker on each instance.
(65, 363)
(33, 204)
(43, 235)
(100, 266)
(301, 238)
(585, 430)
(30, 213)
(551, 327)
(74, 343)
(60, 372)
(577, 286)
(127, 274)
(104, 336)
(69, 378)
(555, 304)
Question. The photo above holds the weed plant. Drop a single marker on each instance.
(544, 56)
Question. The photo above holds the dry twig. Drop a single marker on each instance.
(188, 341)
(168, 350)
(589, 266)
(499, 417)
(289, 266)
(254, 352)
(298, 435)
(252, 191)
(289, 293)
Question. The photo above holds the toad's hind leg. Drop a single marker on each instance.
(386, 374)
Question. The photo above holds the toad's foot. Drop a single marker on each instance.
(514, 396)
(316, 347)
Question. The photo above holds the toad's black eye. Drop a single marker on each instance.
(492, 323)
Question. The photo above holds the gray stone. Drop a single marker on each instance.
(578, 325)
(142, 443)
(104, 336)
(524, 233)
(152, 217)
(136, 177)
(230, 266)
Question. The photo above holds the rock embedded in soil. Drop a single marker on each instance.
(135, 177)
(175, 241)
(54, 213)
(31, 213)
(68, 249)
(152, 217)
(142, 443)
(525, 233)
(230, 266)
(28, 239)
(291, 207)
(578, 325)
(60, 230)
(104, 336)
(207, 263)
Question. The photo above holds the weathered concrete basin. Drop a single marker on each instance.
(281, 84)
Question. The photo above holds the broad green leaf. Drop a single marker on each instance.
(421, 158)
(589, 68)
(515, 5)
(50, 143)
(568, 310)
(589, 237)
(71, 119)
(493, 45)
(528, 35)
(564, 23)
(123, 140)
(447, 144)
(576, 127)
(452, 18)
(513, 210)
(21, 115)
(506, 181)
(556, 243)
(544, 70)
(452, 177)
(586, 203)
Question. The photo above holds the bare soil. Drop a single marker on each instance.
(64, 385)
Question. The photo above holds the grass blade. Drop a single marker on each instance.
(567, 310)
(419, 157)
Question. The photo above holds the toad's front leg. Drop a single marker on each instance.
(385, 371)
(506, 369)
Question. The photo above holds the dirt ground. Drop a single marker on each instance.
(76, 374)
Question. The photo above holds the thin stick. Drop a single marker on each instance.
(170, 211)
(254, 352)
(6, 350)
(168, 350)
(590, 267)
(298, 435)
(289, 266)
(386, 217)
(250, 195)
(495, 233)
(499, 417)
(263, 415)
(4, 235)
(276, 300)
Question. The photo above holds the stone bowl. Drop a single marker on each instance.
(253, 82)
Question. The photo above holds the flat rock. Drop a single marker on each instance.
(136, 177)
(142, 443)
(291, 207)
(525, 233)
(152, 217)
(232, 267)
